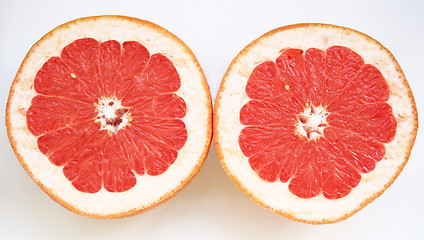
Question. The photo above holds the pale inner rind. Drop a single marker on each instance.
(149, 190)
(275, 195)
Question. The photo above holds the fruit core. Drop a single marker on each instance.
(312, 122)
(112, 116)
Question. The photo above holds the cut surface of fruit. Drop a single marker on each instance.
(314, 121)
(110, 108)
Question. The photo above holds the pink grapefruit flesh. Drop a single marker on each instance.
(70, 91)
(347, 120)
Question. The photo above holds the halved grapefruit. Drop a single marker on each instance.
(314, 121)
(110, 115)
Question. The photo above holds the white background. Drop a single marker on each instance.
(211, 206)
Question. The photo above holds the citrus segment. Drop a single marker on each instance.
(315, 74)
(362, 153)
(172, 132)
(342, 65)
(117, 174)
(291, 65)
(166, 105)
(159, 76)
(306, 181)
(155, 156)
(272, 164)
(81, 57)
(109, 62)
(314, 121)
(85, 170)
(255, 139)
(48, 114)
(369, 86)
(133, 61)
(292, 150)
(339, 175)
(104, 115)
(373, 120)
(62, 146)
(265, 84)
(265, 113)
(55, 78)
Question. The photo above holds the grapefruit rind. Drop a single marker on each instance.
(149, 190)
(275, 196)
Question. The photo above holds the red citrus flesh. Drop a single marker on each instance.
(316, 119)
(147, 130)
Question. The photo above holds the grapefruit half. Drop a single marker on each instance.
(314, 121)
(110, 115)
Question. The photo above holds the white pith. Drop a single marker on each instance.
(149, 190)
(312, 122)
(275, 195)
(107, 111)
